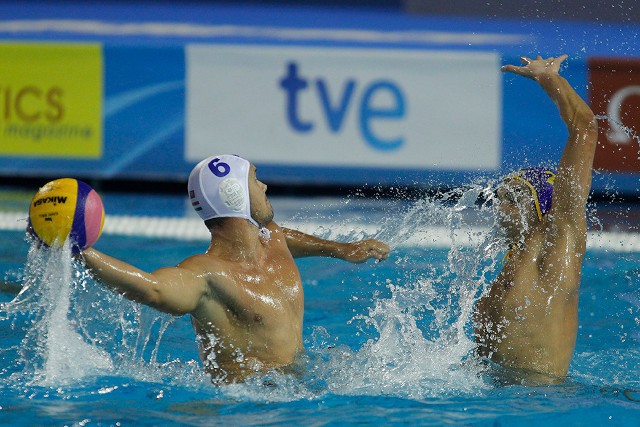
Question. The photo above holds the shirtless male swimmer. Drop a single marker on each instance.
(244, 294)
(529, 318)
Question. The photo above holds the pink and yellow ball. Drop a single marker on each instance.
(67, 208)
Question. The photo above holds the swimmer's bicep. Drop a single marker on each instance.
(177, 290)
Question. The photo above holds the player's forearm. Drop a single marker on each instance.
(575, 113)
(573, 179)
(304, 245)
(124, 278)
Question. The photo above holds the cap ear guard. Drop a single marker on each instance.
(232, 195)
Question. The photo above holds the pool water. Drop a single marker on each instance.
(386, 343)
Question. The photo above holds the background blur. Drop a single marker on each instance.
(321, 96)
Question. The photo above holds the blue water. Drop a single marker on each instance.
(387, 343)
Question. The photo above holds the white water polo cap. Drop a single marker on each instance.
(219, 188)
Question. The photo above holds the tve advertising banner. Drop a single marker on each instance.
(370, 108)
(50, 100)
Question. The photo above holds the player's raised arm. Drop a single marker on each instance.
(573, 179)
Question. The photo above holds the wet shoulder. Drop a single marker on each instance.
(208, 267)
(219, 275)
(199, 262)
(276, 238)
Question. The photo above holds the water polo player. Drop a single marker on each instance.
(244, 294)
(528, 318)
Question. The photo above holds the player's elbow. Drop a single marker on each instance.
(155, 299)
(585, 123)
(149, 295)
(591, 125)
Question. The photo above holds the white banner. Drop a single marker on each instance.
(382, 108)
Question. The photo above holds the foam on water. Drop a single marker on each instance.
(402, 360)
(75, 330)
(53, 352)
(421, 344)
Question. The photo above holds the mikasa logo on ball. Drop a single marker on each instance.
(232, 194)
(54, 200)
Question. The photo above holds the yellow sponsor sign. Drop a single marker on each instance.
(51, 100)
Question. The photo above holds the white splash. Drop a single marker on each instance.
(53, 351)
(421, 344)
(419, 334)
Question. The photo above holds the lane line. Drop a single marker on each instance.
(184, 30)
(193, 229)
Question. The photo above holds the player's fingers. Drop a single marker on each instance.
(511, 69)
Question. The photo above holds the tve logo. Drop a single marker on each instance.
(298, 87)
(392, 109)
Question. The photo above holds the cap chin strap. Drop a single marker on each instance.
(263, 231)
(536, 200)
(254, 222)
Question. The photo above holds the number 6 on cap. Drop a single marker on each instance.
(219, 168)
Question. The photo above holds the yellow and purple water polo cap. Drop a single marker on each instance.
(540, 182)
